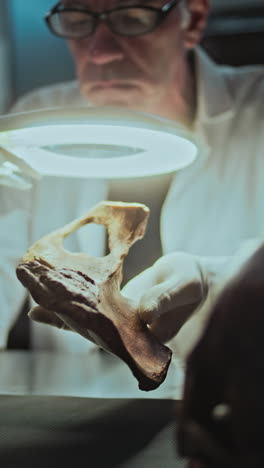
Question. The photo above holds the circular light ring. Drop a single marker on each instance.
(160, 151)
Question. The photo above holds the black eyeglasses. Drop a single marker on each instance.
(78, 22)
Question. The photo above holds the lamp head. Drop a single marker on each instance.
(105, 143)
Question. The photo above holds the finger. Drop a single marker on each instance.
(136, 287)
(41, 315)
(168, 325)
(157, 274)
(169, 296)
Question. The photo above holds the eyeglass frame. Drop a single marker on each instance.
(103, 16)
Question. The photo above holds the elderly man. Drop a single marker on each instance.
(143, 55)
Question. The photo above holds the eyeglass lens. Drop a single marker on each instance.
(126, 21)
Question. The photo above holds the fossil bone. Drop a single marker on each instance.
(82, 292)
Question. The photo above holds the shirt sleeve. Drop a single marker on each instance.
(32, 101)
(14, 239)
(64, 95)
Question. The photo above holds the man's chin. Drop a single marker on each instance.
(126, 96)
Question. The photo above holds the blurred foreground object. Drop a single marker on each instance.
(222, 414)
(79, 292)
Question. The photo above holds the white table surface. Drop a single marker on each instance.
(95, 374)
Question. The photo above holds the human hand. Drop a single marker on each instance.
(168, 293)
(176, 295)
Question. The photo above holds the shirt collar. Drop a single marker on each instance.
(214, 102)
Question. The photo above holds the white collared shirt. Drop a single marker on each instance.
(211, 206)
(217, 202)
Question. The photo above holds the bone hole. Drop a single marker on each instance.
(91, 239)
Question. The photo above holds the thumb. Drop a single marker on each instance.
(178, 282)
(170, 295)
(136, 287)
(175, 280)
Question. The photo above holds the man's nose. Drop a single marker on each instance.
(104, 46)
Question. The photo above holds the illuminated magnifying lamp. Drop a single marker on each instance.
(105, 143)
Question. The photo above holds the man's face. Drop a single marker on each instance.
(132, 72)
